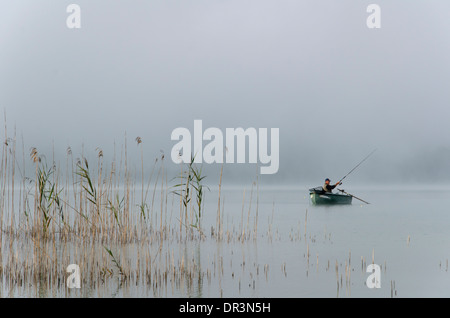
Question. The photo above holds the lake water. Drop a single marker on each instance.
(294, 249)
(406, 232)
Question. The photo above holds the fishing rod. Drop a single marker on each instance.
(357, 165)
(354, 196)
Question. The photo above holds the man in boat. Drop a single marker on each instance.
(327, 187)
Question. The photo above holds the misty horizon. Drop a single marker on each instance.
(335, 89)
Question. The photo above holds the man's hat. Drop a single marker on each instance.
(327, 179)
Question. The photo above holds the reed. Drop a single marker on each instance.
(125, 229)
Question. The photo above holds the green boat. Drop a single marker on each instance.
(320, 197)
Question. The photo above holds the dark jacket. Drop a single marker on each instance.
(328, 187)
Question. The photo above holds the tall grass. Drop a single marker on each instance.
(91, 213)
(190, 188)
(116, 221)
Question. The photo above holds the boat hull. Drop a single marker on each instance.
(329, 198)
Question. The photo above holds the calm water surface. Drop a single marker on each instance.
(299, 250)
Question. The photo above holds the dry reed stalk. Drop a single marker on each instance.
(307, 253)
(93, 224)
(349, 257)
(218, 221)
(13, 154)
(162, 195)
(250, 208)
(3, 174)
(306, 220)
(242, 217)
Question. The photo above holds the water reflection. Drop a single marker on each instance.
(298, 251)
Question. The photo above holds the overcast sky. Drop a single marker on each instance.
(312, 68)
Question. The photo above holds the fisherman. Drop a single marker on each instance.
(329, 188)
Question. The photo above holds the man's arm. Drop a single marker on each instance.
(334, 186)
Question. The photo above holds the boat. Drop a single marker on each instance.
(320, 197)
